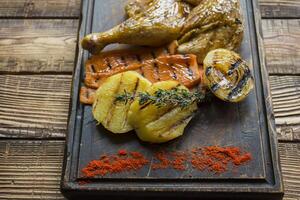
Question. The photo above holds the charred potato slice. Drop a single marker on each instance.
(160, 124)
(112, 114)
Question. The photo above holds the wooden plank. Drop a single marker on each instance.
(286, 103)
(281, 41)
(42, 161)
(70, 8)
(34, 106)
(40, 8)
(30, 169)
(280, 8)
(290, 164)
(37, 45)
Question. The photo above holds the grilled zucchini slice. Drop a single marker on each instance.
(112, 114)
(160, 124)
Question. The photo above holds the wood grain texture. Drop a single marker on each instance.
(30, 169)
(282, 47)
(70, 8)
(286, 103)
(37, 45)
(280, 8)
(40, 8)
(34, 106)
(290, 164)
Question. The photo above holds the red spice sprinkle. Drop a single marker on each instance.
(213, 158)
(135, 154)
(241, 159)
(164, 161)
(122, 152)
(114, 164)
(179, 160)
(217, 158)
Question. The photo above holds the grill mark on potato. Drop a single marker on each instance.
(110, 111)
(162, 115)
(175, 125)
(96, 103)
(137, 83)
(144, 106)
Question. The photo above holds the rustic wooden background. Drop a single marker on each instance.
(37, 45)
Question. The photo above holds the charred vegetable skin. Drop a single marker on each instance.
(150, 23)
(227, 75)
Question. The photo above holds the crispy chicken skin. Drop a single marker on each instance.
(159, 24)
(210, 25)
(136, 7)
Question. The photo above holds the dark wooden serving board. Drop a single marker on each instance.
(248, 125)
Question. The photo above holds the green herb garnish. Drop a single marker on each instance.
(174, 97)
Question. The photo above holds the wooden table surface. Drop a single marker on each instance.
(37, 49)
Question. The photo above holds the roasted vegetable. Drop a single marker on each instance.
(160, 123)
(154, 64)
(112, 114)
(227, 75)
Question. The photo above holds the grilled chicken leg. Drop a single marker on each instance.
(159, 24)
(136, 7)
(212, 24)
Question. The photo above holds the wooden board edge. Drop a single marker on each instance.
(66, 183)
(84, 25)
(268, 99)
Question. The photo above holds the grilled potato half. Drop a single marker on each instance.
(160, 124)
(112, 114)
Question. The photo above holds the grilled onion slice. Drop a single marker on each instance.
(227, 75)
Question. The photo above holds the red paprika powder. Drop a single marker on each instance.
(212, 158)
(114, 164)
(216, 159)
